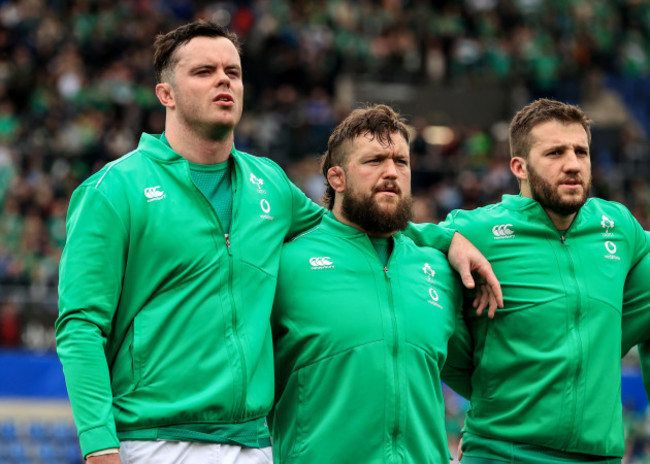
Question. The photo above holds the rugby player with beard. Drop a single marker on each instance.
(362, 316)
(544, 376)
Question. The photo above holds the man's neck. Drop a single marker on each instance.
(560, 221)
(197, 149)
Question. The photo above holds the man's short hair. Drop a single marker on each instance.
(378, 121)
(165, 45)
(538, 112)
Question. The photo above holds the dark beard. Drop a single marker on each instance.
(364, 212)
(544, 194)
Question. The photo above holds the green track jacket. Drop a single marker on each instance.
(636, 315)
(162, 321)
(546, 370)
(359, 348)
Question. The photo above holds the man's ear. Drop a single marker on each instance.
(165, 94)
(518, 167)
(336, 178)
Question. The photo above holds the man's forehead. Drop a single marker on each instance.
(208, 49)
(369, 140)
(555, 132)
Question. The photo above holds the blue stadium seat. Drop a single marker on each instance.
(7, 431)
(17, 452)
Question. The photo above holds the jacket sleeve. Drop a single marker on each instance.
(459, 367)
(91, 271)
(458, 370)
(644, 355)
(636, 305)
(641, 240)
(430, 235)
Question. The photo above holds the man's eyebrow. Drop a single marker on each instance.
(565, 146)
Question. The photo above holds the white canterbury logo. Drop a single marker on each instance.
(503, 231)
(319, 262)
(153, 194)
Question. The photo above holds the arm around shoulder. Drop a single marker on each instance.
(430, 235)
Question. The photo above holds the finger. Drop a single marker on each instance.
(492, 305)
(476, 300)
(486, 272)
(484, 300)
(466, 276)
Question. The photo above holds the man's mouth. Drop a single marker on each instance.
(571, 183)
(388, 189)
(223, 98)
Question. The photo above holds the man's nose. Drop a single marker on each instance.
(390, 169)
(222, 78)
(572, 162)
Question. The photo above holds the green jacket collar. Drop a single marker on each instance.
(156, 148)
(336, 227)
(521, 203)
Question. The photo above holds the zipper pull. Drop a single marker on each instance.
(227, 240)
(562, 239)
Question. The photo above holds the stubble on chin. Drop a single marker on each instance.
(549, 196)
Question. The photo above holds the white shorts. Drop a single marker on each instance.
(188, 452)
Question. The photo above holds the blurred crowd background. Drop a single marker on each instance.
(76, 91)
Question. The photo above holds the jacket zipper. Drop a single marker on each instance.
(240, 406)
(239, 402)
(391, 306)
(578, 343)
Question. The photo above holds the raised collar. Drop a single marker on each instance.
(521, 203)
(153, 146)
(336, 227)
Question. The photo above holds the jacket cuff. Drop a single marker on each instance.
(98, 438)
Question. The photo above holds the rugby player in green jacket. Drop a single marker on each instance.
(544, 376)
(362, 316)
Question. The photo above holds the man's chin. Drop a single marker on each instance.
(387, 209)
(568, 207)
(385, 200)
